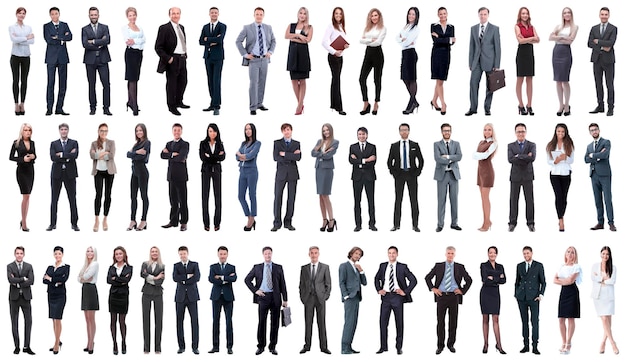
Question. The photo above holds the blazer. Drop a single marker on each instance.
(251, 152)
(596, 278)
(403, 274)
(222, 286)
(414, 154)
(19, 151)
(20, 282)
(605, 40)
(176, 165)
(286, 166)
(56, 49)
(321, 284)
(600, 160)
(212, 162)
(485, 53)
(119, 285)
(441, 164)
(360, 170)
(165, 44)
(529, 285)
(350, 281)
(56, 286)
(67, 158)
(521, 163)
(278, 281)
(249, 34)
(156, 287)
(135, 157)
(186, 287)
(99, 48)
(325, 160)
(460, 274)
(442, 40)
(110, 158)
(214, 43)
(486, 270)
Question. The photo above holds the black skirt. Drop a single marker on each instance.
(569, 302)
(525, 60)
(89, 300)
(25, 175)
(118, 303)
(56, 305)
(133, 58)
(408, 65)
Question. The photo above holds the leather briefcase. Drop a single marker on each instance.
(495, 80)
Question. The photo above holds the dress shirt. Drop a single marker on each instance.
(568, 270)
(562, 168)
(118, 269)
(90, 272)
(256, 50)
(264, 283)
(486, 24)
(101, 164)
(485, 155)
(21, 45)
(565, 32)
(362, 148)
(330, 36)
(179, 41)
(374, 32)
(387, 287)
(409, 33)
(408, 149)
(453, 285)
(138, 37)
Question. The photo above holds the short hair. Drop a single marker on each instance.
(214, 8)
(259, 8)
(527, 248)
(53, 9)
(183, 248)
(64, 125)
(21, 8)
(93, 8)
(483, 8)
(19, 248)
(520, 125)
(494, 248)
(441, 8)
(404, 125)
(362, 129)
(314, 247)
(392, 247)
(267, 248)
(59, 248)
(169, 11)
(131, 9)
(443, 125)
(353, 250)
(177, 125)
(285, 125)
(594, 125)
(451, 248)
(605, 9)
(222, 248)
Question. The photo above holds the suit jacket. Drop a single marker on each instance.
(249, 34)
(460, 275)
(605, 40)
(600, 160)
(441, 164)
(486, 270)
(211, 163)
(521, 163)
(222, 286)
(67, 158)
(148, 274)
(596, 287)
(278, 282)
(165, 44)
(350, 281)
(214, 43)
(110, 158)
(325, 160)
(19, 151)
(403, 274)
(56, 50)
(286, 166)
(485, 53)
(99, 47)
(442, 40)
(18, 282)
(529, 285)
(186, 286)
(414, 154)
(360, 170)
(119, 285)
(321, 283)
(176, 165)
(59, 276)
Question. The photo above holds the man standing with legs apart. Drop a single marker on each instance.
(222, 275)
(186, 274)
(597, 156)
(286, 154)
(351, 277)
(21, 277)
(530, 284)
(56, 33)
(96, 39)
(175, 152)
(212, 38)
(521, 155)
(601, 41)
(315, 288)
(363, 159)
(63, 153)
(447, 156)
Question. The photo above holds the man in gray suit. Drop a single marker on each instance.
(447, 155)
(315, 288)
(351, 277)
(21, 277)
(521, 154)
(484, 56)
(597, 156)
(601, 41)
(260, 44)
(530, 284)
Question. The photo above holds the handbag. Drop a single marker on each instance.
(495, 80)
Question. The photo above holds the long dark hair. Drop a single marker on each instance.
(145, 134)
(218, 138)
(609, 262)
(252, 138)
(343, 19)
(568, 144)
(417, 17)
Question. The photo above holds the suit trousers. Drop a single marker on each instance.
(357, 187)
(257, 71)
(20, 67)
(608, 70)
(335, 63)
(62, 71)
(560, 185)
(178, 202)
(391, 302)
(374, 59)
(475, 77)
(218, 305)
(100, 178)
(192, 307)
(103, 72)
(267, 304)
(139, 182)
(176, 81)
(15, 306)
(279, 188)
(524, 307)
(450, 183)
(528, 197)
(402, 178)
(248, 177)
(314, 306)
(216, 176)
(447, 303)
(214, 80)
(350, 318)
(70, 188)
(146, 305)
(602, 186)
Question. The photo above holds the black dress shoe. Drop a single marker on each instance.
(183, 227)
(107, 112)
(597, 227)
(61, 112)
(49, 112)
(174, 111)
(253, 113)
(469, 113)
(381, 351)
(353, 351)
(168, 225)
(439, 350)
(325, 350)
(180, 350)
(230, 351)
(438, 229)
(290, 227)
(452, 349)
(263, 108)
(512, 227)
(346, 352)
(259, 351)
(216, 112)
(525, 349)
(342, 113)
(214, 350)
(395, 228)
(211, 108)
(195, 351)
(598, 109)
(51, 227)
(16, 350)
(274, 352)
(274, 228)
(28, 351)
(487, 113)
(183, 106)
(92, 112)
(304, 350)
(416, 229)
(357, 229)
(536, 351)
(399, 351)
(75, 228)
(609, 113)
(455, 227)
(612, 227)
(373, 228)
(531, 228)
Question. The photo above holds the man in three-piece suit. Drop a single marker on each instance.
(447, 155)
(451, 282)
(212, 38)
(222, 275)
(597, 156)
(363, 159)
(63, 153)
(351, 277)
(96, 39)
(484, 56)
(171, 47)
(21, 277)
(601, 41)
(266, 281)
(530, 284)
(56, 33)
(176, 152)
(521, 154)
(405, 163)
(286, 154)
(394, 282)
(186, 274)
(315, 285)
(256, 53)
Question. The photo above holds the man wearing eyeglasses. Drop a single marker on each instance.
(521, 154)
(597, 156)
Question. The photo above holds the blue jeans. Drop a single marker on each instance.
(248, 177)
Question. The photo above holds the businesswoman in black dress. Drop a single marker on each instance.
(55, 277)
(21, 37)
(23, 153)
(568, 277)
(408, 72)
(135, 40)
(248, 174)
(118, 276)
(139, 154)
(153, 271)
(526, 36)
(335, 57)
(324, 151)
(373, 36)
(102, 153)
(212, 154)
(89, 303)
(492, 275)
(443, 38)
(298, 60)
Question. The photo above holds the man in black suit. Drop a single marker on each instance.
(21, 277)
(63, 153)
(402, 162)
(56, 33)
(266, 281)
(601, 41)
(212, 38)
(521, 155)
(186, 274)
(171, 47)
(315, 285)
(175, 152)
(394, 282)
(286, 154)
(451, 282)
(363, 159)
(530, 284)
(222, 275)
(96, 39)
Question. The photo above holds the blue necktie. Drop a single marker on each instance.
(404, 161)
(260, 40)
(521, 146)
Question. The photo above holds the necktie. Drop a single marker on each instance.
(313, 272)
(182, 38)
(19, 268)
(63, 143)
(268, 277)
(392, 285)
(223, 266)
(404, 158)
(260, 40)
(448, 147)
(185, 265)
(95, 29)
(447, 278)
(602, 28)
(595, 145)
(212, 28)
(287, 143)
(56, 27)
(362, 147)
(527, 267)
(482, 32)
(521, 146)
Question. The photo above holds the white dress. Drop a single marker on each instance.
(603, 294)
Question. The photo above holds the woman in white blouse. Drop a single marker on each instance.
(603, 276)
(486, 176)
(560, 151)
(568, 277)
(335, 57)
(88, 276)
(373, 37)
(135, 40)
(21, 37)
(408, 72)
(562, 36)
(103, 171)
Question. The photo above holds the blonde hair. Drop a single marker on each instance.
(20, 138)
(575, 255)
(159, 261)
(571, 22)
(131, 9)
(306, 21)
(87, 262)
(368, 23)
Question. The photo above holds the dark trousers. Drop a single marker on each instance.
(608, 70)
(405, 178)
(15, 306)
(391, 302)
(100, 178)
(62, 71)
(350, 318)
(602, 186)
(447, 303)
(529, 199)
(335, 64)
(139, 182)
(146, 305)
(192, 307)
(218, 305)
(524, 307)
(214, 79)
(216, 176)
(267, 304)
(178, 202)
(313, 306)
(560, 185)
(70, 188)
(20, 67)
(279, 188)
(176, 81)
(357, 187)
(375, 59)
(103, 72)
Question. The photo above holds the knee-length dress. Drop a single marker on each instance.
(484, 153)
(56, 290)
(25, 172)
(569, 299)
(490, 291)
(440, 55)
(298, 59)
(525, 59)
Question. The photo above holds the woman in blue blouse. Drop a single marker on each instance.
(140, 154)
(248, 174)
(22, 37)
(135, 40)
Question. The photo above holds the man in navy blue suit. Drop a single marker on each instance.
(96, 39)
(186, 274)
(56, 34)
(212, 38)
(222, 275)
(597, 156)
(63, 153)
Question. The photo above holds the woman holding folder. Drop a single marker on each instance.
(334, 42)
(560, 152)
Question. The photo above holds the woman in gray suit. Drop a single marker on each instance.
(153, 271)
(103, 153)
(323, 152)
(603, 275)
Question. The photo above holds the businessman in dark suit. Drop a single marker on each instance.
(266, 281)
(96, 39)
(186, 274)
(21, 277)
(451, 282)
(530, 285)
(171, 47)
(286, 154)
(484, 56)
(447, 155)
(315, 286)
(222, 275)
(597, 156)
(521, 154)
(212, 38)
(394, 282)
(405, 163)
(601, 41)
(176, 152)
(56, 33)
(351, 277)
(63, 153)
(363, 159)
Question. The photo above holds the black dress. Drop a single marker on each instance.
(25, 172)
(56, 290)
(490, 291)
(118, 294)
(298, 59)
(440, 56)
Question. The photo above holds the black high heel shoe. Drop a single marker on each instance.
(366, 110)
(569, 111)
(123, 347)
(133, 225)
(24, 229)
(375, 111)
(413, 106)
(485, 348)
(432, 105)
(529, 109)
(115, 348)
(521, 111)
(560, 113)
(253, 226)
(499, 348)
(145, 226)
(325, 225)
(332, 228)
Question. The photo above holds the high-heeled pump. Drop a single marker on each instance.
(133, 225)
(485, 227)
(253, 226)
(324, 225)
(333, 226)
(115, 348)
(530, 111)
(602, 346)
(444, 107)
(411, 108)
(23, 228)
(300, 110)
(485, 348)
(105, 225)
(366, 110)
(560, 112)
(433, 105)
(569, 111)
(375, 110)
(615, 349)
(96, 225)
(123, 347)
(499, 348)
(521, 110)
(142, 226)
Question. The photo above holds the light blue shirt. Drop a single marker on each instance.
(453, 286)
(264, 287)
(255, 49)
(137, 36)
(21, 45)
